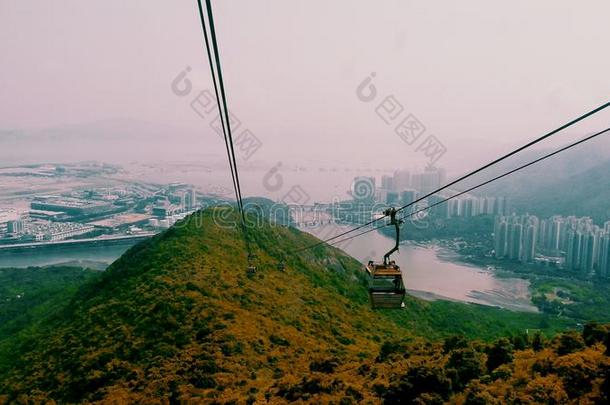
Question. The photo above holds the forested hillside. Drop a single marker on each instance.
(178, 318)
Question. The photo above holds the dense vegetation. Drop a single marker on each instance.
(571, 368)
(25, 291)
(177, 318)
(30, 295)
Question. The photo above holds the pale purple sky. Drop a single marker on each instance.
(483, 76)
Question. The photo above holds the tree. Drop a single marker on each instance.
(593, 333)
(467, 364)
(501, 352)
(605, 387)
(547, 390)
(538, 342)
(520, 342)
(578, 371)
(454, 342)
(418, 380)
(570, 342)
(477, 395)
(389, 348)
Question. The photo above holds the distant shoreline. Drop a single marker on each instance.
(115, 240)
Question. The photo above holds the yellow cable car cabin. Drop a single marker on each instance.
(386, 288)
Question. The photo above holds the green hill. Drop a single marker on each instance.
(177, 318)
(28, 296)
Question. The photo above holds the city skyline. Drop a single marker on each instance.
(574, 243)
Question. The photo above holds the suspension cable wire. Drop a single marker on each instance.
(338, 242)
(209, 54)
(583, 140)
(223, 112)
(470, 174)
(548, 155)
(224, 96)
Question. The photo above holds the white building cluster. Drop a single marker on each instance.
(467, 205)
(584, 246)
(515, 237)
(403, 188)
(55, 231)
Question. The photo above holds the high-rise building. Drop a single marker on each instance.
(543, 234)
(381, 195)
(191, 199)
(501, 206)
(442, 209)
(15, 227)
(581, 240)
(574, 251)
(429, 180)
(488, 205)
(455, 207)
(564, 228)
(556, 234)
(408, 196)
(515, 240)
(470, 207)
(516, 237)
(387, 183)
(590, 250)
(530, 235)
(604, 256)
(500, 237)
(391, 197)
(402, 180)
(585, 246)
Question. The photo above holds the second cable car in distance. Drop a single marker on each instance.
(386, 288)
(251, 266)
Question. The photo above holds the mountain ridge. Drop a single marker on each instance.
(151, 306)
(541, 189)
(178, 319)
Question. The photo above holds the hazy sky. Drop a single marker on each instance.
(482, 76)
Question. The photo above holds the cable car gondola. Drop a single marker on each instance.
(386, 288)
(251, 265)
